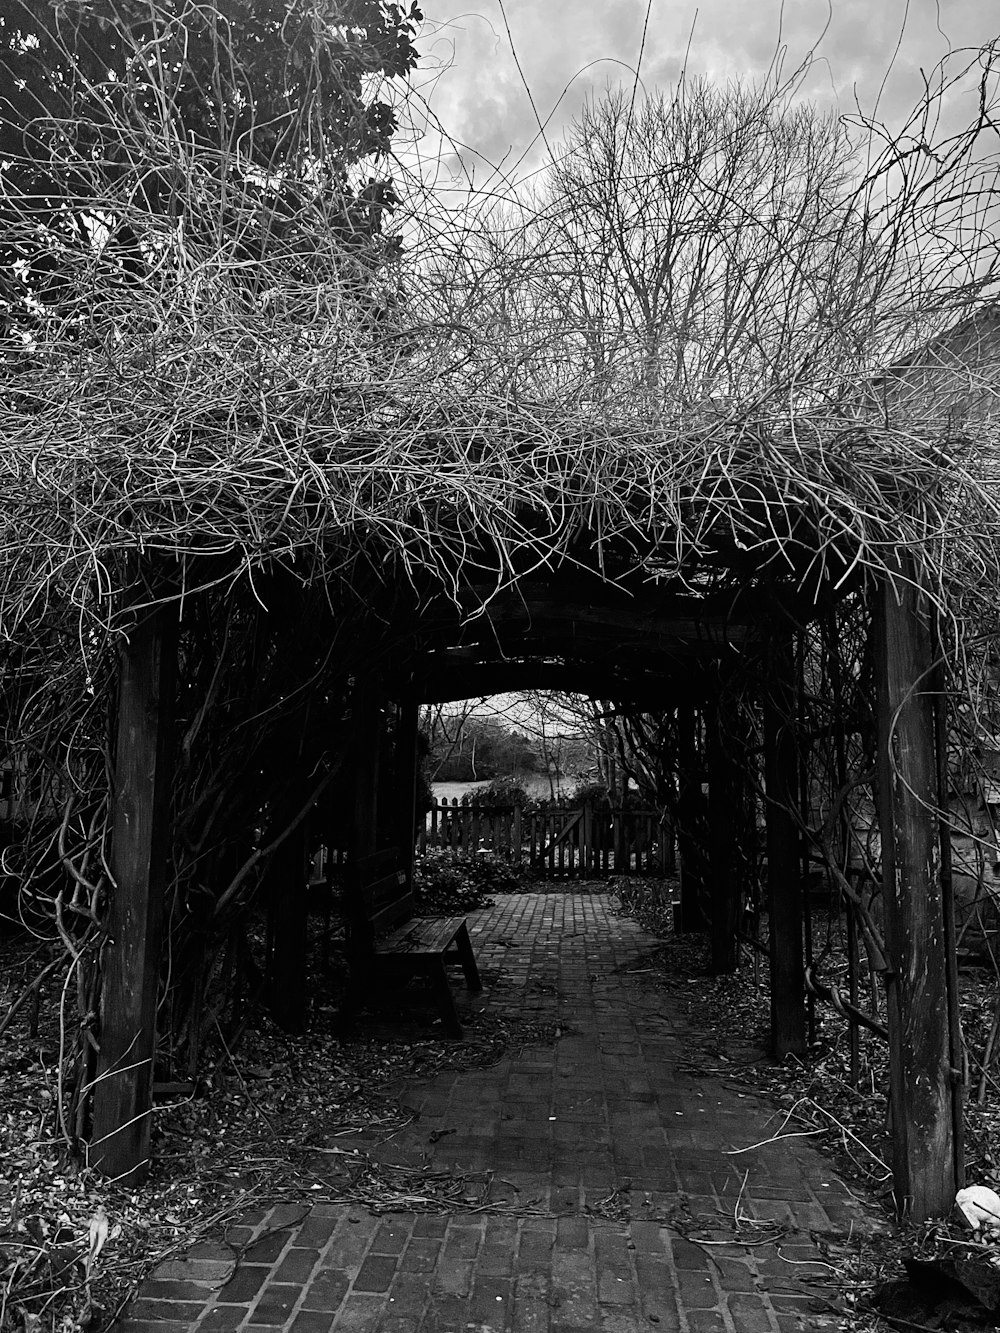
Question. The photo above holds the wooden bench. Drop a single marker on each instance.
(385, 941)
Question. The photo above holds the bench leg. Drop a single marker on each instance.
(445, 999)
(468, 959)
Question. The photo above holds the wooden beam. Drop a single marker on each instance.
(724, 781)
(926, 1144)
(784, 881)
(448, 674)
(130, 961)
(602, 611)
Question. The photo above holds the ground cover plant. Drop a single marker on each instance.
(447, 882)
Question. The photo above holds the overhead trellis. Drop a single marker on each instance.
(261, 472)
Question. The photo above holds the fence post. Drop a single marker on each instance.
(515, 836)
(422, 834)
(618, 837)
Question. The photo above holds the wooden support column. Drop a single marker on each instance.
(407, 755)
(288, 886)
(724, 780)
(956, 1043)
(140, 838)
(368, 727)
(926, 1141)
(690, 806)
(784, 882)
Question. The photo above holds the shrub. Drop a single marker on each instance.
(648, 901)
(595, 792)
(491, 873)
(501, 791)
(447, 882)
(601, 798)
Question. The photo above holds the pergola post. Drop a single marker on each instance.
(288, 885)
(784, 881)
(130, 960)
(922, 1063)
(724, 790)
(690, 804)
(368, 727)
(407, 719)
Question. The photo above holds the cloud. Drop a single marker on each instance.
(566, 52)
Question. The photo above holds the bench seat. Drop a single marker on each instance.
(386, 940)
(421, 936)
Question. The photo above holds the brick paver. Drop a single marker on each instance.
(616, 1200)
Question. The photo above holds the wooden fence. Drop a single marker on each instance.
(582, 843)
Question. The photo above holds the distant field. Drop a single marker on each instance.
(450, 791)
(535, 785)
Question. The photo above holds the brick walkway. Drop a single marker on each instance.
(613, 1203)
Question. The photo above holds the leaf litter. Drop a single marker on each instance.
(259, 1127)
(815, 1096)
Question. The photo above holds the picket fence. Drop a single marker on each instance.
(558, 843)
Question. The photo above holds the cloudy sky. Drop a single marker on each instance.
(872, 49)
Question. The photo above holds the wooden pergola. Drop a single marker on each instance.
(660, 649)
(273, 465)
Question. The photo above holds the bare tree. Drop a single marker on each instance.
(713, 251)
